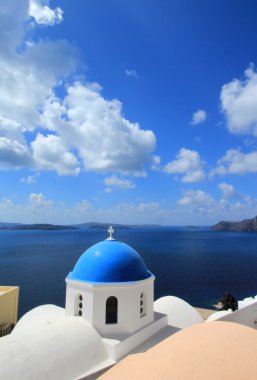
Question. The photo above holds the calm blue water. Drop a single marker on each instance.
(196, 265)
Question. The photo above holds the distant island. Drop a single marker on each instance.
(36, 226)
(101, 225)
(50, 227)
(246, 225)
(115, 225)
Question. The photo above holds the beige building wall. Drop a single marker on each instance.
(9, 296)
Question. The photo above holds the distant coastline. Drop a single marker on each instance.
(49, 227)
(246, 225)
(36, 226)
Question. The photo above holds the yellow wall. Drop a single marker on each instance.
(9, 296)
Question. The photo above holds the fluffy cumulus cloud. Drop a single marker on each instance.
(50, 153)
(95, 126)
(195, 198)
(189, 163)
(38, 201)
(194, 207)
(41, 131)
(200, 205)
(43, 14)
(13, 154)
(228, 190)
(28, 73)
(117, 182)
(27, 80)
(236, 162)
(38, 209)
(198, 117)
(239, 103)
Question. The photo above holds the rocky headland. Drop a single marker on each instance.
(246, 225)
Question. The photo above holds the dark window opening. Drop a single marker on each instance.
(111, 315)
(142, 305)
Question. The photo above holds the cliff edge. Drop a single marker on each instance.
(246, 225)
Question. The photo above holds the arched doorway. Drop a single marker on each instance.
(111, 315)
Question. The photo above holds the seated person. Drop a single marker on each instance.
(228, 302)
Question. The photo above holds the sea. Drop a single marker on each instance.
(195, 264)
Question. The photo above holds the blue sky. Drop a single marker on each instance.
(128, 111)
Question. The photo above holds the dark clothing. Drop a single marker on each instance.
(228, 302)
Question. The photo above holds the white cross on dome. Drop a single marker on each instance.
(111, 231)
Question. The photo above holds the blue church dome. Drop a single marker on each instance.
(110, 261)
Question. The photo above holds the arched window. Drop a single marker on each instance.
(111, 315)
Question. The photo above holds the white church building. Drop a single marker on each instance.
(109, 313)
(111, 288)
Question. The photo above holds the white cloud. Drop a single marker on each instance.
(236, 162)
(27, 77)
(156, 162)
(104, 139)
(189, 163)
(201, 206)
(35, 71)
(239, 103)
(227, 190)
(219, 170)
(131, 74)
(195, 207)
(36, 209)
(121, 183)
(13, 14)
(50, 153)
(29, 180)
(11, 130)
(195, 198)
(38, 201)
(43, 14)
(83, 206)
(13, 154)
(84, 128)
(198, 117)
(249, 141)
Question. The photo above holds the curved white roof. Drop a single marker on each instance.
(44, 315)
(180, 313)
(51, 348)
(218, 314)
